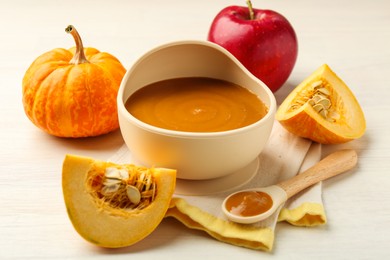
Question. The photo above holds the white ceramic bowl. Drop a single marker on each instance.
(196, 156)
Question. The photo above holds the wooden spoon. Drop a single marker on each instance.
(253, 205)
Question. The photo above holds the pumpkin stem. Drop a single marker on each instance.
(79, 56)
(250, 8)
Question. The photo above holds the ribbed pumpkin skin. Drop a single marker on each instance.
(69, 100)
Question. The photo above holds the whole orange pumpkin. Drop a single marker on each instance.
(72, 93)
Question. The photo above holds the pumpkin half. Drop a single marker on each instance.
(72, 93)
(113, 205)
(322, 108)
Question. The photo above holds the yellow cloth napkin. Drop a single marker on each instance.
(284, 156)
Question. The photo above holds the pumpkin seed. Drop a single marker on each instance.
(112, 172)
(324, 91)
(124, 174)
(323, 113)
(325, 103)
(316, 84)
(318, 107)
(133, 194)
(148, 182)
(140, 181)
(316, 98)
(111, 182)
(109, 189)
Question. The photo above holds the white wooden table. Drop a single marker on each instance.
(353, 37)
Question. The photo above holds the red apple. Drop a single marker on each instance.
(262, 40)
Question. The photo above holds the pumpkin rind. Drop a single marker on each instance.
(308, 123)
(101, 226)
(69, 100)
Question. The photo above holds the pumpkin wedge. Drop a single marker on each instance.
(114, 205)
(322, 108)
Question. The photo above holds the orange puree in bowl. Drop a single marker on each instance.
(196, 105)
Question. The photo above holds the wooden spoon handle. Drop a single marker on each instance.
(332, 165)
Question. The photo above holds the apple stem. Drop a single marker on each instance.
(251, 14)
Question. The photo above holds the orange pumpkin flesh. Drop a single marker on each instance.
(72, 93)
(342, 119)
(96, 219)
